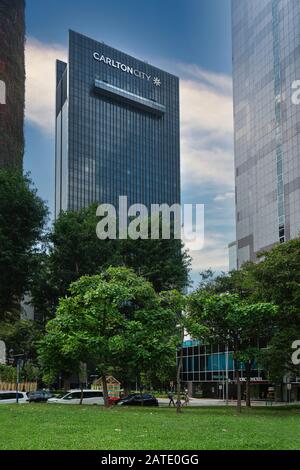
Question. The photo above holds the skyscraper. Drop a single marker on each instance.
(12, 81)
(117, 129)
(266, 62)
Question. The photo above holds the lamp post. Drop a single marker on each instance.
(226, 368)
(18, 358)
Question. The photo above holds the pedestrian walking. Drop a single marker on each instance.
(186, 398)
(170, 396)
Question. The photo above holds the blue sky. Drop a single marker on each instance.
(188, 37)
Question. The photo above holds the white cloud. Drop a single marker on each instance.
(207, 158)
(206, 135)
(213, 256)
(206, 128)
(220, 82)
(40, 82)
(206, 113)
(224, 197)
(205, 108)
(205, 166)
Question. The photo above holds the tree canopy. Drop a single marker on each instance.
(114, 320)
(22, 219)
(74, 251)
(228, 320)
(276, 279)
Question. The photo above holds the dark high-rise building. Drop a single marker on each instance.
(12, 81)
(266, 62)
(117, 129)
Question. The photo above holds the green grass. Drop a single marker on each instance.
(42, 426)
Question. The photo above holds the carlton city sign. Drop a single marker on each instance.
(126, 68)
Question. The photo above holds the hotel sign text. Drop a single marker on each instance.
(126, 68)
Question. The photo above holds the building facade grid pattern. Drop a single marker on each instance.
(266, 61)
(115, 148)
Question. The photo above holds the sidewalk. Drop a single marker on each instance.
(216, 402)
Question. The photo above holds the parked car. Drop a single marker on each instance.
(90, 397)
(113, 400)
(39, 396)
(11, 396)
(144, 399)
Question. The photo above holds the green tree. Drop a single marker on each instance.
(277, 358)
(44, 290)
(227, 320)
(74, 251)
(165, 263)
(7, 373)
(53, 358)
(22, 218)
(176, 302)
(21, 336)
(238, 282)
(276, 278)
(113, 319)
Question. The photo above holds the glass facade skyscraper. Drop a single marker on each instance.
(117, 129)
(266, 62)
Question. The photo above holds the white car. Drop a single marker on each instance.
(9, 397)
(90, 397)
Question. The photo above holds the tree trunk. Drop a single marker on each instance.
(238, 386)
(248, 394)
(248, 381)
(82, 377)
(66, 383)
(179, 368)
(127, 390)
(81, 393)
(105, 393)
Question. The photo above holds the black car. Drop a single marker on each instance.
(144, 399)
(39, 396)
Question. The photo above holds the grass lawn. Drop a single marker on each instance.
(42, 426)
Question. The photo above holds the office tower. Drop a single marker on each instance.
(117, 129)
(266, 62)
(12, 82)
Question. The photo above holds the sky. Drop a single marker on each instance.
(190, 38)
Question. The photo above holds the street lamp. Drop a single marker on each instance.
(18, 364)
(226, 367)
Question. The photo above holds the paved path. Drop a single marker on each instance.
(215, 402)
